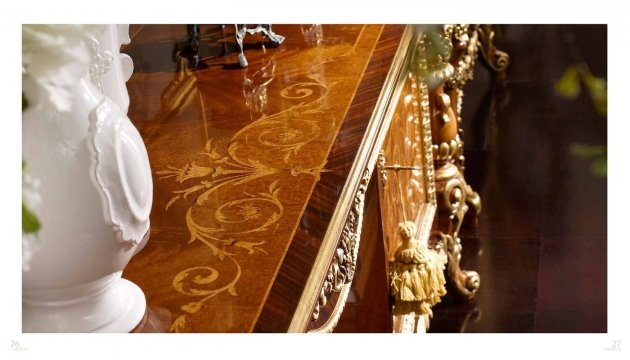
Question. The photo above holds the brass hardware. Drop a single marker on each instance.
(401, 167)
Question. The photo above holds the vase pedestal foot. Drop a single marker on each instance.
(110, 304)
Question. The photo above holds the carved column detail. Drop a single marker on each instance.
(456, 48)
(453, 193)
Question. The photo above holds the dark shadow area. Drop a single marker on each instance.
(540, 243)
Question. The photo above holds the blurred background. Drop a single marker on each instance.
(536, 153)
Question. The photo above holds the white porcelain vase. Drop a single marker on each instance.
(96, 191)
(110, 69)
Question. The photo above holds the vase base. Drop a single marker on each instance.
(135, 309)
(110, 304)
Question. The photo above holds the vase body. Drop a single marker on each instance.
(96, 191)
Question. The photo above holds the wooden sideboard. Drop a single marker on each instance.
(265, 188)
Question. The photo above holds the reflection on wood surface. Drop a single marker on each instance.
(233, 175)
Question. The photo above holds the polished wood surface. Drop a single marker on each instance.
(540, 243)
(285, 292)
(248, 164)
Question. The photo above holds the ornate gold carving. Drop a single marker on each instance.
(341, 270)
(416, 275)
(446, 150)
(365, 160)
(466, 282)
(416, 272)
(432, 58)
(494, 58)
(429, 173)
(465, 46)
(443, 103)
(453, 194)
(452, 190)
(408, 142)
(383, 172)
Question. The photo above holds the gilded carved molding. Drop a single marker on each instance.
(453, 193)
(446, 187)
(429, 173)
(494, 58)
(465, 46)
(416, 267)
(406, 163)
(326, 277)
(416, 274)
(446, 150)
(341, 270)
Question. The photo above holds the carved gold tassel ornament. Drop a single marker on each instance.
(417, 274)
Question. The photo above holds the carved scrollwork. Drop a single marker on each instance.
(465, 46)
(494, 58)
(465, 282)
(454, 195)
(341, 270)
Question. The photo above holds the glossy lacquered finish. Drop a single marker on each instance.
(248, 164)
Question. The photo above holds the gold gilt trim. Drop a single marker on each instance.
(429, 169)
(341, 271)
(364, 162)
(427, 142)
(496, 59)
(332, 321)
